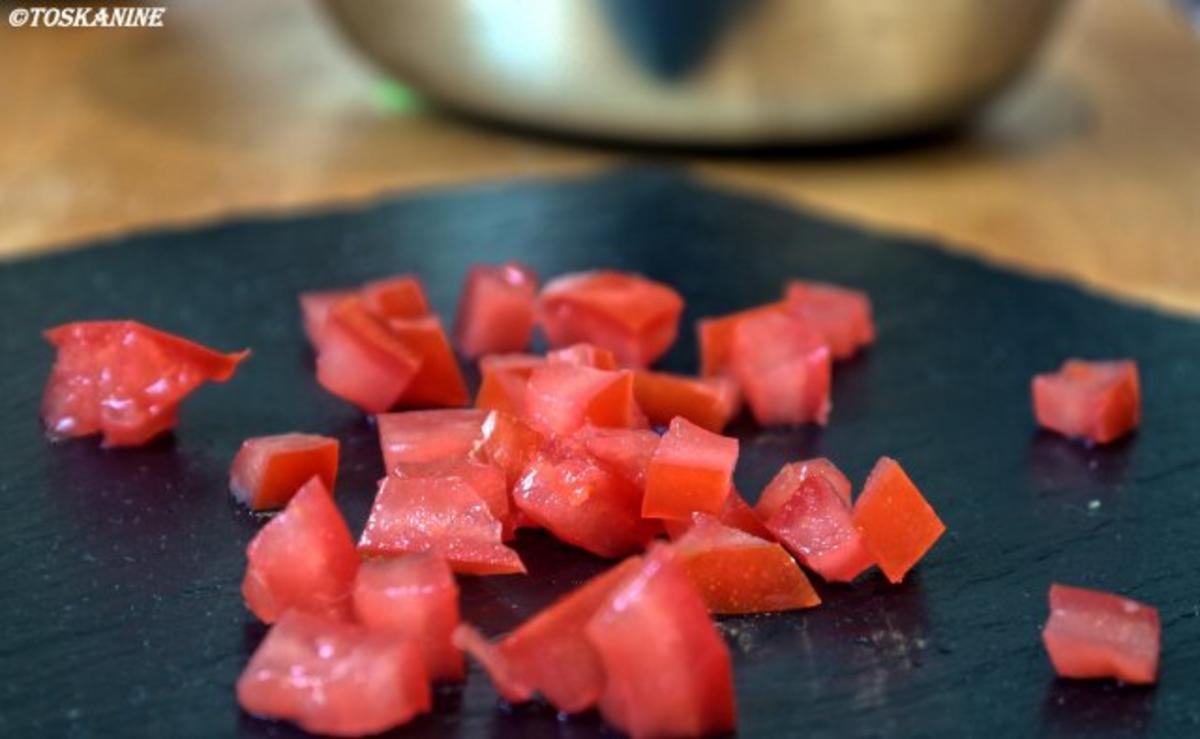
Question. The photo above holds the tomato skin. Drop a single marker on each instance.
(667, 670)
(268, 470)
(691, 470)
(315, 307)
(402, 296)
(438, 382)
(1097, 401)
(897, 523)
(332, 677)
(1093, 634)
(360, 360)
(560, 399)
(503, 379)
(783, 367)
(494, 663)
(816, 525)
(707, 402)
(715, 337)
(788, 479)
(416, 597)
(634, 317)
(496, 310)
(840, 314)
(736, 513)
(626, 452)
(427, 436)
(302, 559)
(124, 380)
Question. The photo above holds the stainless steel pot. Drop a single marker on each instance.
(714, 72)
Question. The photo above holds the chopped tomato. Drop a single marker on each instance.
(715, 336)
(736, 513)
(706, 402)
(634, 317)
(561, 398)
(497, 309)
(494, 663)
(315, 307)
(503, 378)
(428, 436)
(582, 502)
(303, 559)
(583, 355)
(691, 470)
(739, 573)
(331, 677)
(667, 671)
(416, 597)
(897, 523)
(1098, 401)
(625, 451)
(816, 525)
(1093, 634)
(788, 479)
(487, 480)
(840, 314)
(443, 515)
(439, 381)
(783, 367)
(509, 443)
(361, 360)
(124, 380)
(395, 297)
(268, 470)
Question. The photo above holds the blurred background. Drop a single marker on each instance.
(1059, 137)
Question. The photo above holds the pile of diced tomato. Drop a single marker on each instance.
(585, 442)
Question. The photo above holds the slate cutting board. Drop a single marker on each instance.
(120, 569)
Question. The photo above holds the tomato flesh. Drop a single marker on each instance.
(494, 663)
(503, 378)
(268, 470)
(124, 380)
(691, 470)
(428, 436)
(360, 360)
(897, 523)
(509, 443)
(788, 479)
(715, 337)
(840, 314)
(401, 296)
(735, 513)
(783, 368)
(1097, 401)
(415, 597)
(331, 677)
(486, 480)
(625, 451)
(315, 307)
(561, 398)
(302, 559)
(1092, 634)
(439, 381)
(707, 402)
(496, 309)
(583, 355)
(816, 525)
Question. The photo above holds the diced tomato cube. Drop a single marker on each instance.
(414, 596)
(503, 378)
(1097, 401)
(561, 398)
(268, 470)
(361, 360)
(582, 502)
(1093, 634)
(715, 337)
(625, 451)
(443, 515)
(439, 381)
(816, 525)
(315, 307)
(788, 479)
(124, 380)
(897, 523)
(487, 480)
(783, 367)
(583, 355)
(691, 470)
(428, 436)
(667, 671)
(496, 310)
(509, 443)
(840, 314)
(401, 296)
(739, 573)
(303, 559)
(494, 663)
(735, 513)
(635, 317)
(336, 678)
(706, 402)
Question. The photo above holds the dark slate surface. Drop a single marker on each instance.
(121, 612)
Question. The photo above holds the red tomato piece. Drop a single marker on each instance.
(416, 597)
(428, 436)
(401, 296)
(315, 307)
(667, 671)
(583, 355)
(1097, 401)
(331, 677)
(691, 470)
(840, 314)
(268, 470)
(625, 451)
(503, 378)
(497, 309)
(443, 515)
(816, 525)
(739, 573)
(897, 523)
(582, 502)
(124, 380)
(736, 513)
(303, 559)
(706, 402)
(788, 479)
(715, 337)
(439, 381)
(1093, 634)
(509, 443)
(361, 360)
(494, 663)
(635, 317)
(560, 398)
(487, 480)
(783, 367)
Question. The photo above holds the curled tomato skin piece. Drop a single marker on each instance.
(1092, 634)
(1097, 401)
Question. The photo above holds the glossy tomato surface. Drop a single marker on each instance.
(788, 479)
(1093, 634)
(503, 378)
(897, 523)
(707, 402)
(438, 382)
(561, 398)
(783, 368)
(428, 436)
(1097, 401)
(816, 525)
(496, 309)
(268, 470)
(691, 470)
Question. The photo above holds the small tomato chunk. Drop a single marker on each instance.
(691, 470)
(583, 355)
(788, 479)
(401, 296)
(897, 523)
(487, 480)
(783, 367)
(715, 337)
(561, 398)
(315, 307)
(503, 378)
(1097, 401)
(331, 677)
(815, 524)
(428, 436)
(360, 360)
(508, 443)
(497, 309)
(625, 451)
(268, 470)
(1093, 634)
(735, 513)
(840, 314)
(494, 663)
(439, 381)
(707, 402)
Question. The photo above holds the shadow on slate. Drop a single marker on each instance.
(121, 569)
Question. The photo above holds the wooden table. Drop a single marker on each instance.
(1091, 169)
